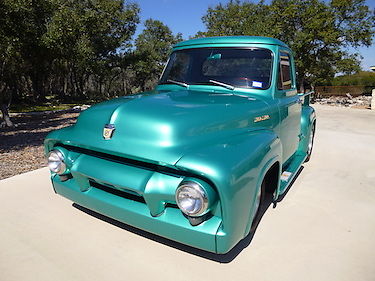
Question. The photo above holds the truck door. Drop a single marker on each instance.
(289, 105)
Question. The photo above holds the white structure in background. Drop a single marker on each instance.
(373, 92)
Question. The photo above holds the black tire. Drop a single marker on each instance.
(311, 143)
(259, 211)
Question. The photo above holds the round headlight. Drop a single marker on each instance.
(191, 198)
(56, 162)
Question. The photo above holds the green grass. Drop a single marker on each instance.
(43, 107)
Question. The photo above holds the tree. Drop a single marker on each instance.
(237, 18)
(86, 35)
(61, 46)
(15, 21)
(152, 50)
(317, 31)
(362, 78)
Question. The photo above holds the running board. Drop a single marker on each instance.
(288, 175)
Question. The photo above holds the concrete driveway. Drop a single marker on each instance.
(324, 229)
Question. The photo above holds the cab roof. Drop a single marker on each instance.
(230, 40)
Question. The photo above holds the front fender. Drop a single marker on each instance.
(235, 167)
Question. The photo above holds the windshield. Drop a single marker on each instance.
(238, 67)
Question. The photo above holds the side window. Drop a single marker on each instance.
(285, 75)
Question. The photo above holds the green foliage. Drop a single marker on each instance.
(318, 32)
(72, 49)
(152, 50)
(91, 29)
(87, 35)
(59, 43)
(362, 78)
(76, 50)
(237, 18)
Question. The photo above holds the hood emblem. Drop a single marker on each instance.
(108, 131)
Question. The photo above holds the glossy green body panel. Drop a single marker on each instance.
(232, 41)
(170, 224)
(164, 136)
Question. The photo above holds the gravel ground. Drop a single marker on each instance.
(21, 147)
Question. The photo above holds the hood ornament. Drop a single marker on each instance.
(108, 131)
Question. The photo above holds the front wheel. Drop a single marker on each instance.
(311, 143)
(258, 203)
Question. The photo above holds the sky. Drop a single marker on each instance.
(185, 16)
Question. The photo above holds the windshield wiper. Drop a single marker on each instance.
(230, 87)
(178, 83)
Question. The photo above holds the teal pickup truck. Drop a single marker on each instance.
(194, 159)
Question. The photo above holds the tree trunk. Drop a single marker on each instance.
(65, 85)
(4, 107)
(6, 118)
(302, 84)
(72, 84)
(38, 85)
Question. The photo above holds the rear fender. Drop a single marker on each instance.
(308, 117)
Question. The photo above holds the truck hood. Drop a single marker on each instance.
(161, 127)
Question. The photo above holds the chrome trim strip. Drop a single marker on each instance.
(306, 94)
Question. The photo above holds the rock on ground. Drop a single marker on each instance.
(346, 101)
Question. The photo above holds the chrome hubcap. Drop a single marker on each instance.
(311, 140)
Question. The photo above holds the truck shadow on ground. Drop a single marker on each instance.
(221, 258)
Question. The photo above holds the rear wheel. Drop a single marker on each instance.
(311, 143)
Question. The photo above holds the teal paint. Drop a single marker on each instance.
(204, 132)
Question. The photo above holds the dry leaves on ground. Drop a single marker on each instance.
(21, 147)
